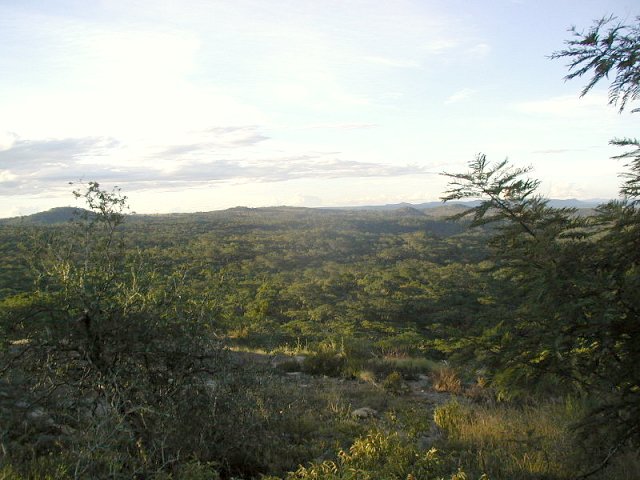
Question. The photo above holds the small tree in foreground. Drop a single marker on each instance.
(110, 366)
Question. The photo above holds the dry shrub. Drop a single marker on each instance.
(513, 442)
(394, 383)
(445, 379)
(367, 376)
(480, 391)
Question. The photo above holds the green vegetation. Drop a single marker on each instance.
(331, 344)
(131, 345)
(566, 307)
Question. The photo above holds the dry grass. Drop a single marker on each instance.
(367, 376)
(445, 379)
(507, 442)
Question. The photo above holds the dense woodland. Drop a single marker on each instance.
(285, 276)
(498, 340)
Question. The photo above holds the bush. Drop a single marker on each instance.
(450, 417)
(480, 391)
(401, 345)
(394, 383)
(324, 362)
(409, 367)
(367, 376)
(378, 455)
(445, 379)
(114, 370)
(515, 442)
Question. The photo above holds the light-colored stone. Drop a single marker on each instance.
(364, 412)
(211, 385)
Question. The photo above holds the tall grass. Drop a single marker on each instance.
(521, 443)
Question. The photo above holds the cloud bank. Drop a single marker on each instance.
(216, 154)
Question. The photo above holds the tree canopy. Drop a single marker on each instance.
(571, 282)
(608, 47)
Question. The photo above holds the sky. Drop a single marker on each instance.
(194, 105)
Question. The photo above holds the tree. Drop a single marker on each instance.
(108, 365)
(570, 309)
(608, 46)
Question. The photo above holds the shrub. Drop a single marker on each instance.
(324, 362)
(445, 379)
(367, 376)
(379, 455)
(401, 345)
(450, 417)
(290, 365)
(394, 383)
(409, 367)
(480, 391)
(112, 368)
(515, 442)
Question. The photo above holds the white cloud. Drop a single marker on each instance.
(440, 46)
(7, 176)
(7, 139)
(460, 95)
(568, 106)
(337, 126)
(302, 200)
(392, 62)
(125, 114)
(480, 50)
(566, 190)
(133, 60)
(219, 154)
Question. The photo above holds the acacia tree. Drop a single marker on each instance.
(607, 47)
(570, 284)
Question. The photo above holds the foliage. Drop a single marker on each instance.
(295, 276)
(446, 379)
(409, 367)
(450, 416)
(569, 283)
(509, 442)
(608, 46)
(379, 455)
(566, 310)
(324, 362)
(113, 366)
(112, 362)
(394, 383)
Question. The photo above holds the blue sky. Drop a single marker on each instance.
(200, 105)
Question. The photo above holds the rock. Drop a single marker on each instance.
(36, 413)
(211, 385)
(364, 412)
(40, 417)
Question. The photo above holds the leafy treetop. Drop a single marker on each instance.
(608, 47)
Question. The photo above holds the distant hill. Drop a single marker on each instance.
(418, 206)
(49, 217)
(435, 210)
(568, 203)
(575, 203)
